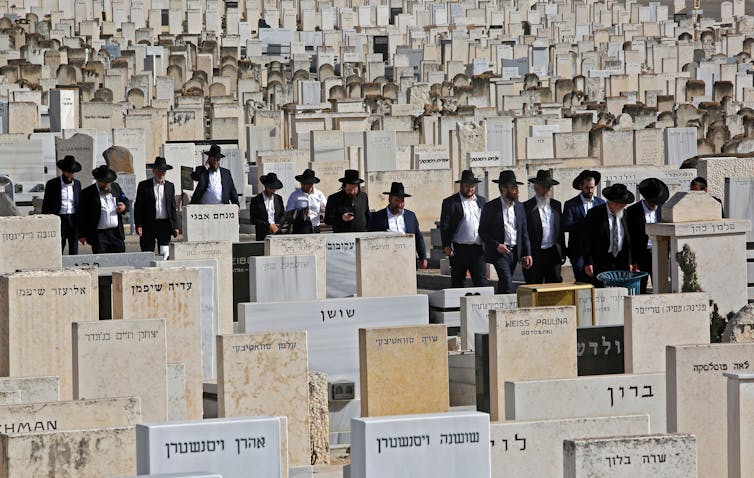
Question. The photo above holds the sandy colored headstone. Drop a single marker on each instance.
(403, 370)
(740, 406)
(175, 296)
(33, 389)
(215, 222)
(529, 343)
(385, 265)
(110, 359)
(176, 392)
(475, 314)
(654, 321)
(30, 242)
(691, 206)
(34, 340)
(246, 385)
(302, 244)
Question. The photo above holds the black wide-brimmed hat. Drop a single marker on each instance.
(396, 189)
(68, 164)
(271, 179)
(351, 176)
(544, 178)
(507, 178)
(104, 174)
(653, 190)
(160, 164)
(467, 177)
(308, 177)
(214, 152)
(587, 173)
(618, 193)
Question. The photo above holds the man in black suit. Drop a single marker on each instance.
(101, 211)
(574, 215)
(607, 244)
(395, 218)
(215, 183)
(459, 231)
(647, 211)
(155, 213)
(62, 199)
(266, 208)
(503, 229)
(543, 218)
(348, 209)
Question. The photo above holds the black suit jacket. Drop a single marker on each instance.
(378, 222)
(229, 195)
(90, 209)
(53, 196)
(534, 223)
(637, 231)
(597, 241)
(451, 216)
(339, 204)
(144, 209)
(573, 223)
(492, 230)
(258, 213)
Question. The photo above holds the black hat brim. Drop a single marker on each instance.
(469, 181)
(507, 183)
(307, 180)
(210, 155)
(545, 183)
(654, 191)
(626, 198)
(108, 178)
(167, 167)
(351, 181)
(593, 174)
(401, 195)
(68, 168)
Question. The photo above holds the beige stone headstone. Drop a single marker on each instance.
(691, 206)
(529, 343)
(33, 389)
(176, 392)
(223, 252)
(385, 266)
(172, 294)
(110, 358)
(210, 222)
(302, 244)
(80, 453)
(30, 242)
(740, 407)
(267, 374)
(651, 322)
(36, 312)
(403, 370)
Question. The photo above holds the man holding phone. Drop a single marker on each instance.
(348, 209)
(101, 208)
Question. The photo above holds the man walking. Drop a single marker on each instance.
(62, 199)
(574, 215)
(101, 213)
(647, 211)
(543, 219)
(348, 209)
(395, 218)
(215, 184)
(155, 213)
(309, 198)
(266, 208)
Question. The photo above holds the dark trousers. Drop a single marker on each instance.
(468, 257)
(645, 265)
(161, 232)
(69, 231)
(545, 267)
(504, 266)
(577, 263)
(611, 263)
(108, 241)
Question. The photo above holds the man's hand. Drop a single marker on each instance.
(422, 263)
(274, 228)
(139, 231)
(633, 268)
(589, 270)
(503, 249)
(121, 208)
(447, 251)
(347, 217)
(176, 232)
(527, 262)
(82, 240)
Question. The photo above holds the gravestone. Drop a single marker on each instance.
(301, 244)
(340, 256)
(403, 370)
(34, 340)
(738, 201)
(385, 265)
(599, 350)
(242, 254)
(110, 359)
(680, 145)
(282, 278)
(607, 309)
(380, 151)
(588, 397)
(29, 242)
(445, 304)
(475, 314)
(246, 386)
(739, 405)
(172, 295)
(215, 222)
(440, 445)
(32, 389)
(80, 146)
(655, 321)
(667, 456)
(227, 446)
(529, 343)
(121, 259)
(176, 392)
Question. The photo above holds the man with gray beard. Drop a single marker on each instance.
(543, 220)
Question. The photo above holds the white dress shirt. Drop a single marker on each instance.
(108, 217)
(610, 218)
(548, 226)
(468, 228)
(269, 204)
(316, 202)
(587, 203)
(509, 222)
(66, 198)
(160, 206)
(214, 192)
(650, 216)
(395, 222)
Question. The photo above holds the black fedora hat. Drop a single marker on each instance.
(68, 164)
(351, 176)
(214, 152)
(654, 191)
(587, 173)
(271, 179)
(467, 177)
(618, 193)
(396, 189)
(544, 177)
(308, 177)
(160, 164)
(507, 178)
(104, 174)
